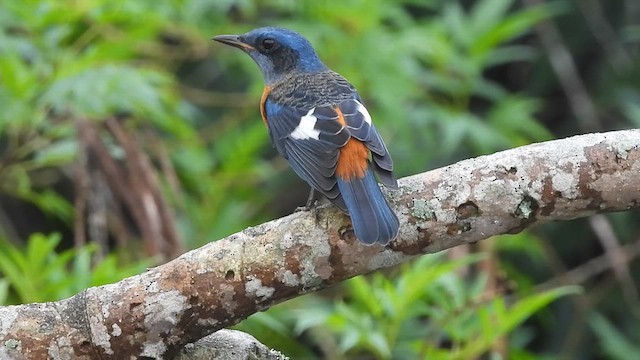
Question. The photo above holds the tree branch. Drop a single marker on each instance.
(228, 345)
(156, 313)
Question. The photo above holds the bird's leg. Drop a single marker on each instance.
(311, 201)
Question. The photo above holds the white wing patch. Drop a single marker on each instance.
(363, 110)
(306, 128)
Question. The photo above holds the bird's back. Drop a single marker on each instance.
(302, 90)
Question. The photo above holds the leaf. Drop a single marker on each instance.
(103, 91)
(309, 318)
(507, 28)
(487, 14)
(501, 320)
(57, 153)
(613, 342)
(39, 273)
(50, 202)
(379, 343)
(363, 293)
(4, 290)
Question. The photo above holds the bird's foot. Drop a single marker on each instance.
(307, 207)
(310, 204)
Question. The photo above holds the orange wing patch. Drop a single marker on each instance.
(353, 160)
(263, 100)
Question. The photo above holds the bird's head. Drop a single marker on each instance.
(277, 51)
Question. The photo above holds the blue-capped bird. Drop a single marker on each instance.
(317, 121)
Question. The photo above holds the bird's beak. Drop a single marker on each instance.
(233, 40)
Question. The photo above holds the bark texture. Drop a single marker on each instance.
(154, 314)
(229, 345)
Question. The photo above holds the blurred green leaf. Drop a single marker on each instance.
(39, 273)
(613, 343)
(60, 152)
(107, 90)
(498, 320)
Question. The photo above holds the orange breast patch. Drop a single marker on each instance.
(263, 100)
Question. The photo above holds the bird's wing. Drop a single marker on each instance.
(310, 139)
(359, 124)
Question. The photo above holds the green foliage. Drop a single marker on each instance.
(38, 273)
(614, 344)
(64, 62)
(443, 80)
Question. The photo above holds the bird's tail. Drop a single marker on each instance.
(372, 218)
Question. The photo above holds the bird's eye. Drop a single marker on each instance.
(268, 44)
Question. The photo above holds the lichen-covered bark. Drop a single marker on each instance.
(153, 315)
(229, 345)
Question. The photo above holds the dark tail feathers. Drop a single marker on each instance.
(372, 218)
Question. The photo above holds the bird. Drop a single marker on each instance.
(317, 121)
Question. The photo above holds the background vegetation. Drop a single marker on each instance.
(104, 102)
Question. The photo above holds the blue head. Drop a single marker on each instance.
(277, 51)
